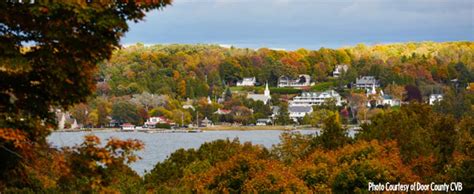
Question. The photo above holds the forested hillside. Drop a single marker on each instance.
(189, 71)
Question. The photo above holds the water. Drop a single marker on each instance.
(158, 146)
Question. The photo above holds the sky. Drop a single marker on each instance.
(311, 24)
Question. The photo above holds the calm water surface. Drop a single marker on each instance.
(158, 146)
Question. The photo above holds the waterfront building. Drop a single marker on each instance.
(298, 112)
(316, 98)
(128, 127)
(263, 122)
(153, 121)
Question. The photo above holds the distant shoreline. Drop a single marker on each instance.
(210, 128)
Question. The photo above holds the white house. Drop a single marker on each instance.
(435, 98)
(302, 80)
(389, 100)
(263, 122)
(340, 69)
(381, 98)
(247, 81)
(298, 112)
(367, 82)
(153, 121)
(128, 127)
(316, 98)
(205, 122)
(265, 97)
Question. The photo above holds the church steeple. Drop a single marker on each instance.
(267, 91)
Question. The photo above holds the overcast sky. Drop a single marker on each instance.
(292, 24)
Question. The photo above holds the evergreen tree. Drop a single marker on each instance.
(333, 134)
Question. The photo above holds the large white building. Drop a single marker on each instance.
(298, 112)
(316, 98)
(302, 80)
(247, 81)
(265, 97)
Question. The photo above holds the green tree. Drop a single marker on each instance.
(333, 134)
(124, 112)
(283, 117)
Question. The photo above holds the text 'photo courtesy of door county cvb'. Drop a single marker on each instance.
(236, 96)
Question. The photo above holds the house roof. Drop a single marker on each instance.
(325, 94)
(264, 120)
(260, 97)
(303, 109)
(366, 80)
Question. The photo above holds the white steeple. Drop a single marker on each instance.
(267, 91)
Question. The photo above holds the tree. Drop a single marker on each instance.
(356, 103)
(80, 112)
(283, 117)
(333, 134)
(316, 117)
(48, 57)
(125, 112)
(149, 101)
(413, 93)
(228, 94)
(396, 91)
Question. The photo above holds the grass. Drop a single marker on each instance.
(322, 86)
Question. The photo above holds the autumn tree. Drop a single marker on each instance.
(48, 57)
(333, 135)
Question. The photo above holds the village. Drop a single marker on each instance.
(284, 110)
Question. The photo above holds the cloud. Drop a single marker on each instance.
(306, 23)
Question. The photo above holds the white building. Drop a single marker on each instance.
(435, 98)
(153, 121)
(302, 80)
(389, 100)
(222, 111)
(128, 127)
(265, 97)
(298, 112)
(316, 98)
(247, 81)
(367, 82)
(263, 122)
(381, 99)
(339, 70)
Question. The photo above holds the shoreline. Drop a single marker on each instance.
(210, 128)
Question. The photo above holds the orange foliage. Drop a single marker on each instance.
(246, 172)
(16, 137)
(351, 166)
